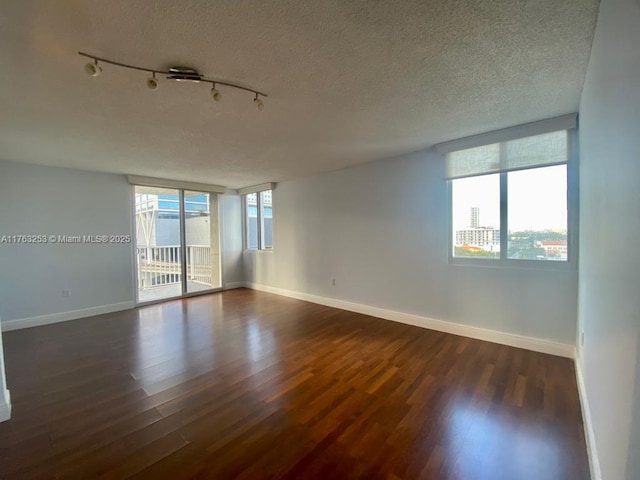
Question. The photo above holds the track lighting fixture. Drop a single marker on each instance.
(215, 93)
(258, 103)
(93, 69)
(180, 74)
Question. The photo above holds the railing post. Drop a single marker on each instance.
(190, 256)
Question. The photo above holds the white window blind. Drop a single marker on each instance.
(537, 144)
(537, 151)
(257, 188)
(179, 184)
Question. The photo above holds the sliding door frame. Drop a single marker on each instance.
(183, 247)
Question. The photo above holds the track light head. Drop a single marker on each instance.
(152, 83)
(258, 103)
(215, 94)
(93, 69)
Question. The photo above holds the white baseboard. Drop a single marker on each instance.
(232, 285)
(8, 325)
(519, 341)
(589, 435)
(5, 406)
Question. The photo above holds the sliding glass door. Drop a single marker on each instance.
(177, 245)
(201, 240)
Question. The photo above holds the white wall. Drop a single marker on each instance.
(52, 201)
(609, 281)
(56, 201)
(380, 230)
(231, 235)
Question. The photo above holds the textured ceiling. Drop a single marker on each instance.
(348, 81)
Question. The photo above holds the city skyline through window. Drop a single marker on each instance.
(482, 193)
(536, 201)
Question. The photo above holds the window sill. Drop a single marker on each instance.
(254, 251)
(548, 265)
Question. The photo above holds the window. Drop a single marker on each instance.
(266, 220)
(258, 214)
(537, 214)
(509, 200)
(251, 221)
(475, 235)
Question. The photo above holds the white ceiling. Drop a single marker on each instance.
(348, 81)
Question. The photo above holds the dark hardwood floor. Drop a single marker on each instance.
(250, 385)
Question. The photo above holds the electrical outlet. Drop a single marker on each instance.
(66, 293)
(582, 338)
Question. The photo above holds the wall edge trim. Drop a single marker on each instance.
(513, 340)
(28, 322)
(589, 434)
(5, 406)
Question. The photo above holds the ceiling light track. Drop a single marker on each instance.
(179, 74)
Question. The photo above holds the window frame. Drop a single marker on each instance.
(504, 261)
(245, 223)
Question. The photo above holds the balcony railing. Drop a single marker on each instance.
(159, 266)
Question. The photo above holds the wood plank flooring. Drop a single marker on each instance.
(249, 385)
